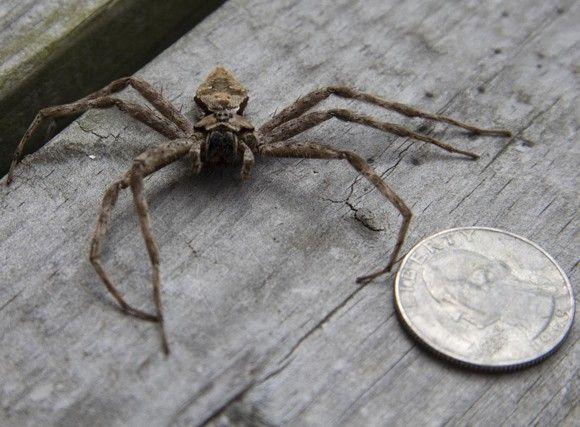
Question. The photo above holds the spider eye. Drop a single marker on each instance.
(223, 115)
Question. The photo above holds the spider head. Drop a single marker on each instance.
(220, 92)
(224, 115)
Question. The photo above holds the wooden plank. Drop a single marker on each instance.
(30, 28)
(266, 323)
(57, 51)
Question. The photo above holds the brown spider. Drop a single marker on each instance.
(223, 136)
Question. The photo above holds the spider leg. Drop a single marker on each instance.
(109, 201)
(145, 164)
(308, 101)
(144, 115)
(148, 92)
(310, 120)
(247, 161)
(317, 151)
(195, 153)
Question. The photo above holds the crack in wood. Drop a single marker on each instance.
(10, 300)
(323, 321)
(348, 410)
(464, 198)
(256, 419)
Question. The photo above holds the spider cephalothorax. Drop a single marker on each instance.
(223, 135)
(221, 91)
(222, 98)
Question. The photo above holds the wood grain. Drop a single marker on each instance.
(266, 323)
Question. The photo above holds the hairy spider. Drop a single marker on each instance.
(223, 136)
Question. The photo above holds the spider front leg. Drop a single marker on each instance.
(308, 101)
(302, 123)
(144, 165)
(144, 115)
(317, 151)
(148, 92)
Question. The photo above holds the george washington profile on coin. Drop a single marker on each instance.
(485, 292)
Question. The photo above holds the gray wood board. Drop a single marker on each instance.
(266, 323)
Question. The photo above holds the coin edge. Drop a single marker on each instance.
(467, 364)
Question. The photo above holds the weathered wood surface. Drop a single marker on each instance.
(266, 323)
(58, 50)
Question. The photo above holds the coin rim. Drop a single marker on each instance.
(465, 363)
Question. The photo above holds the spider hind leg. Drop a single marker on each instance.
(318, 151)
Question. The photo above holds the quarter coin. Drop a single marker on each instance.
(484, 298)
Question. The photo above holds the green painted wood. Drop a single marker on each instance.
(55, 51)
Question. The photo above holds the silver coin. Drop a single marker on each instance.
(484, 298)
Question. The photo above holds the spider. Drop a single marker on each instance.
(223, 136)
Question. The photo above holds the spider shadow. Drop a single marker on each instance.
(177, 181)
(222, 182)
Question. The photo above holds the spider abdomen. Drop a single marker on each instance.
(222, 147)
